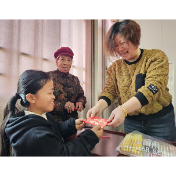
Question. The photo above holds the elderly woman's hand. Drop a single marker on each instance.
(79, 105)
(69, 106)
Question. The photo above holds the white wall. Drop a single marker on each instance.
(161, 34)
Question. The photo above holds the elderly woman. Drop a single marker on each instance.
(67, 89)
(139, 81)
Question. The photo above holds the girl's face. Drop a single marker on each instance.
(125, 48)
(43, 100)
(64, 63)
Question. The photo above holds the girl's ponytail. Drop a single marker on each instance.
(9, 111)
(12, 104)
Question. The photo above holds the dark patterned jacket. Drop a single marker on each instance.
(66, 88)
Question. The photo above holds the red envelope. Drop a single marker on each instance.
(97, 121)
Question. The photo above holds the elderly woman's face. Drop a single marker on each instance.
(64, 63)
(125, 48)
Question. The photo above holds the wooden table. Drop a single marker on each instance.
(107, 146)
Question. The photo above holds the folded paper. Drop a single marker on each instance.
(97, 121)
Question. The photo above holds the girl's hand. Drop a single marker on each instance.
(98, 131)
(79, 123)
(117, 117)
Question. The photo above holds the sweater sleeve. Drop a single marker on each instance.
(143, 100)
(156, 80)
(67, 128)
(46, 143)
(111, 89)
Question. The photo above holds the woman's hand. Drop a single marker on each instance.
(98, 131)
(117, 117)
(79, 123)
(79, 105)
(97, 109)
(69, 106)
(94, 112)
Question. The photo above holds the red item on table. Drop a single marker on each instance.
(97, 121)
(105, 136)
(75, 109)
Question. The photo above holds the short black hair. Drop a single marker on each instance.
(126, 28)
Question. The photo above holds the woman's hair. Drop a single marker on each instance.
(30, 81)
(128, 29)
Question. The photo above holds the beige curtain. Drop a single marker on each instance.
(30, 44)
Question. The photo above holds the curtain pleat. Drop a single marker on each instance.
(30, 44)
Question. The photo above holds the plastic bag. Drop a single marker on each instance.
(139, 144)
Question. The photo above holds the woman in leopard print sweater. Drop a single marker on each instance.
(139, 80)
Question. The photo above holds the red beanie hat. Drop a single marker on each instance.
(64, 51)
